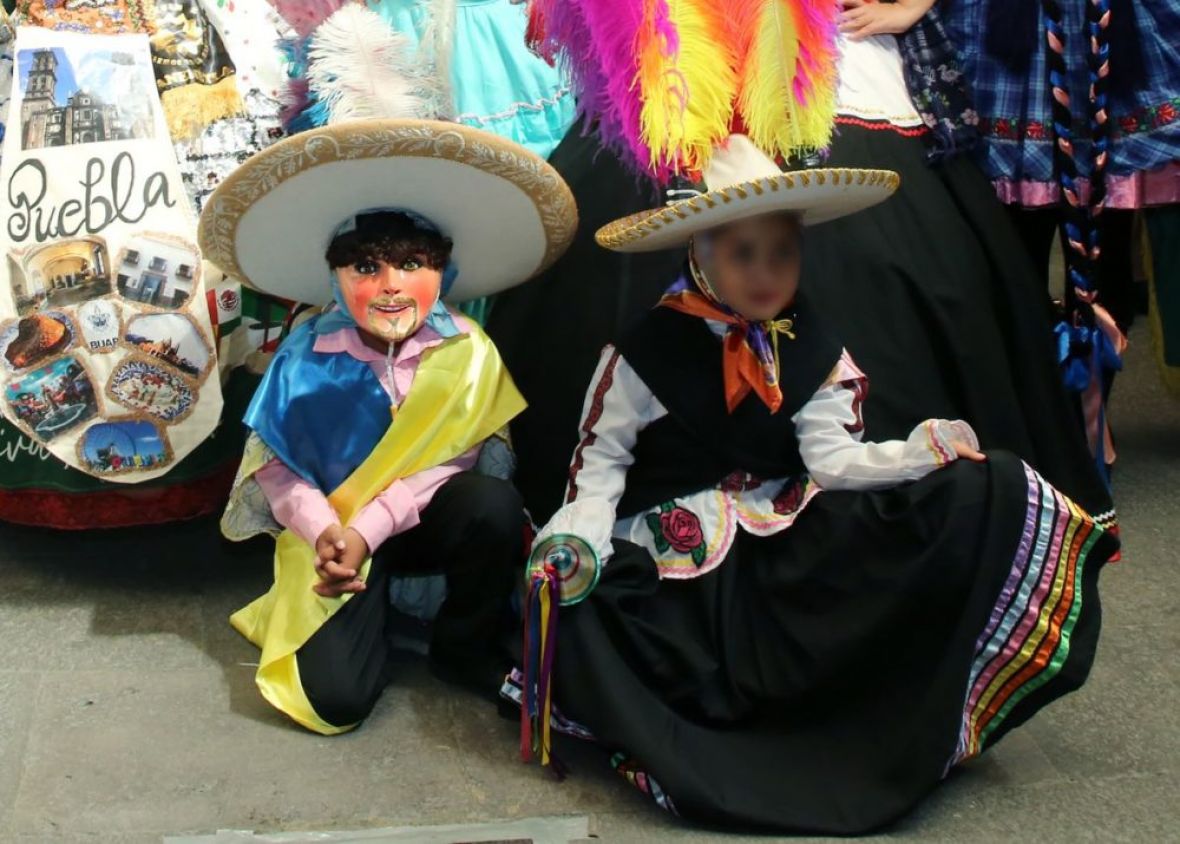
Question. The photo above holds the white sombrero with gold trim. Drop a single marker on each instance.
(270, 222)
(742, 181)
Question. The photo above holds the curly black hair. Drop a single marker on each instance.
(391, 237)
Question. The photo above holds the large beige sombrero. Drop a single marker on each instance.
(741, 182)
(270, 222)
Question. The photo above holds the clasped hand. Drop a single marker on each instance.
(339, 555)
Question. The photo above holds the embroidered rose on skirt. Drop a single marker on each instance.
(791, 497)
(739, 482)
(679, 530)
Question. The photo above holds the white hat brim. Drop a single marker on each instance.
(818, 196)
(270, 222)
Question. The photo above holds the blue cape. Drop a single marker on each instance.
(321, 413)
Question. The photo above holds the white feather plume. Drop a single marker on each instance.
(358, 67)
(435, 48)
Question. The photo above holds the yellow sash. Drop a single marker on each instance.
(461, 395)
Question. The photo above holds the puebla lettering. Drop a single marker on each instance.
(11, 450)
(112, 195)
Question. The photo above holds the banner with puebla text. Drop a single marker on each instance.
(107, 355)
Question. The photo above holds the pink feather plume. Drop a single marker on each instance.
(305, 15)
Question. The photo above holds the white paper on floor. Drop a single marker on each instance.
(553, 830)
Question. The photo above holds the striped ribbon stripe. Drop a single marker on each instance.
(1026, 640)
(630, 770)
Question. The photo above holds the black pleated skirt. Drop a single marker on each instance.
(824, 679)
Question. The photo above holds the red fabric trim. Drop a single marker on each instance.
(883, 126)
(860, 391)
(592, 418)
(116, 508)
(1117, 556)
(1145, 118)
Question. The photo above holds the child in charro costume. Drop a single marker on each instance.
(370, 420)
(770, 621)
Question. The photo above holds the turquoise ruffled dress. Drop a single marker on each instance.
(497, 84)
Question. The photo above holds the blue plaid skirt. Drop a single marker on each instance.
(1013, 106)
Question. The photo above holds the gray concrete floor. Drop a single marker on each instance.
(128, 709)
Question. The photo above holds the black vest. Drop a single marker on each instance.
(699, 442)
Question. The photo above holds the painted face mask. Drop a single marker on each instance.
(391, 302)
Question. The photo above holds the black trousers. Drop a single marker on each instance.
(473, 532)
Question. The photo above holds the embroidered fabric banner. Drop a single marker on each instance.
(194, 72)
(106, 347)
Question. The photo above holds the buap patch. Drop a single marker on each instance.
(100, 321)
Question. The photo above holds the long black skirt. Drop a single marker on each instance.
(936, 298)
(824, 679)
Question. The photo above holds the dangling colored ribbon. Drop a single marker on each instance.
(1085, 354)
(540, 650)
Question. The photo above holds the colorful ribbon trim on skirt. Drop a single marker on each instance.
(1027, 639)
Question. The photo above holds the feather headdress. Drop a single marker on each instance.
(665, 81)
(788, 78)
(554, 27)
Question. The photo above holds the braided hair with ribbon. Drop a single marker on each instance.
(1086, 351)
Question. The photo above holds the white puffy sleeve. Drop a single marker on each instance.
(830, 430)
(618, 406)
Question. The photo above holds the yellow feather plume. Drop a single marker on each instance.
(663, 97)
(767, 100)
(708, 65)
(815, 115)
(689, 93)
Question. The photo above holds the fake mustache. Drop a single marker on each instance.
(393, 307)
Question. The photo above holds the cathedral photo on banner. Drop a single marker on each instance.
(80, 99)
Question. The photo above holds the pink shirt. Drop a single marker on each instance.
(301, 507)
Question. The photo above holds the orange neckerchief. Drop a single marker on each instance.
(750, 350)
